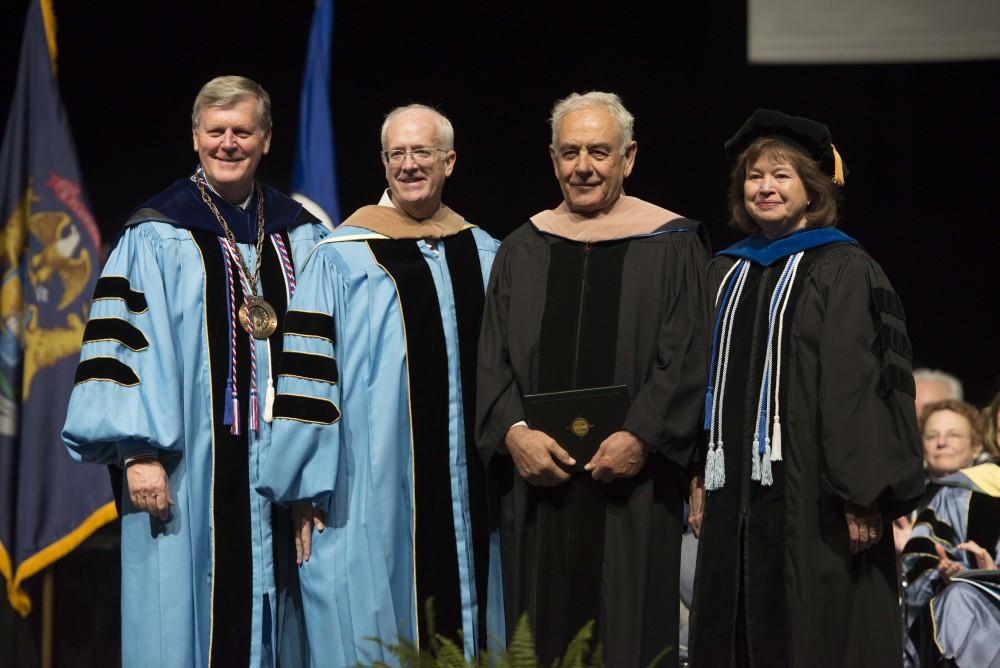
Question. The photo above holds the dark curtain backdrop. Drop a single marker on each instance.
(918, 139)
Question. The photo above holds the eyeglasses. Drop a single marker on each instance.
(421, 156)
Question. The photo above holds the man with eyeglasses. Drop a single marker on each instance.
(594, 316)
(373, 419)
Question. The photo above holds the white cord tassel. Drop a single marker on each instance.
(755, 459)
(776, 439)
(715, 461)
(269, 393)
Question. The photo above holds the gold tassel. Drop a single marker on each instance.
(838, 167)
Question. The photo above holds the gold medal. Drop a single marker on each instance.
(258, 318)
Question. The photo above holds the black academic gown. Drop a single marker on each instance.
(775, 582)
(563, 315)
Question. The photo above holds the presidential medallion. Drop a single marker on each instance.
(580, 427)
(258, 318)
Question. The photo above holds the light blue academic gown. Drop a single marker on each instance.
(965, 615)
(348, 447)
(145, 386)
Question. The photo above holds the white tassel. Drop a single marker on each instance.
(710, 468)
(755, 459)
(766, 476)
(269, 401)
(776, 440)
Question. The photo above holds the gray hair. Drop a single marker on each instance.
(228, 91)
(595, 98)
(953, 384)
(444, 135)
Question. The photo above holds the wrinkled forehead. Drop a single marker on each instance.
(588, 125)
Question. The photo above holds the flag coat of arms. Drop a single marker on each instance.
(50, 244)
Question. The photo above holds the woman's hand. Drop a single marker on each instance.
(983, 558)
(946, 567)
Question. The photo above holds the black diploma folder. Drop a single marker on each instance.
(578, 420)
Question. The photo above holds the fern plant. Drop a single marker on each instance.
(443, 652)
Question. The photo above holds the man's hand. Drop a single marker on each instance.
(149, 487)
(864, 526)
(697, 504)
(304, 516)
(621, 455)
(534, 453)
(984, 559)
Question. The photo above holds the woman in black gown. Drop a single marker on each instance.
(811, 439)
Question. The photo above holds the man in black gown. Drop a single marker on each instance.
(603, 290)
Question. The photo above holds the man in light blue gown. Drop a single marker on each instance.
(373, 417)
(175, 386)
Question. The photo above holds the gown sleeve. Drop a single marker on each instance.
(306, 429)
(127, 396)
(666, 408)
(498, 397)
(870, 439)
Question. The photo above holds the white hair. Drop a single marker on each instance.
(445, 134)
(953, 384)
(595, 98)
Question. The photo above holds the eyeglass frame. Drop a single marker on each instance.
(411, 153)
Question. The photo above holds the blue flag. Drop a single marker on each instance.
(48, 503)
(314, 178)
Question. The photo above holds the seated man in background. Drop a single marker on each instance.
(934, 385)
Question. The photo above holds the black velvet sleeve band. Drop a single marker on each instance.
(106, 368)
(115, 329)
(309, 323)
(117, 287)
(308, 366)
(305, 409)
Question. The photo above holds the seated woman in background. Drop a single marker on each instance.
(949, 563)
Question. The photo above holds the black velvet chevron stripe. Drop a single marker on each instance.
(305, 409)
(115, 329)
(117, 287)
(106, 368)
(920, 566)
(920, 545)
(894, 377)
(942, 530)
(310, 367)
(891, 338)
(308, 323)
(886, 301)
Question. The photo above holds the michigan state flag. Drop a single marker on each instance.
(50, 260)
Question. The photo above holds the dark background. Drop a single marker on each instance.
(919, 139)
